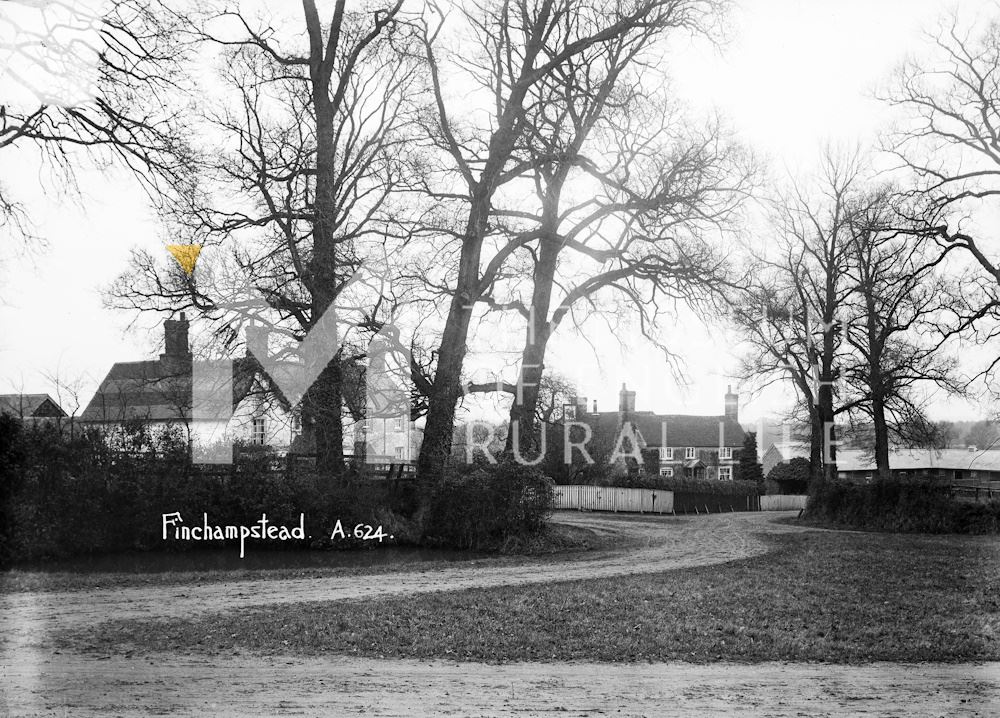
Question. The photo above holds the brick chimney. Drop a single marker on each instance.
(176, 354)
(626, 401)
(256, 341)
(732, 405)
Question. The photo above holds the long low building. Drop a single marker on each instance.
(954, 466)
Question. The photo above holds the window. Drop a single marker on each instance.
(296, 424)
(400, 452)
(689, 452)
(397, 424)
(569, 412)
(666, 454)
(258, 431)
(725, 473)
(726, 452)
(666, 471)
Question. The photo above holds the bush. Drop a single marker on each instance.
(791, 477)
(484, 506)
(901, 506)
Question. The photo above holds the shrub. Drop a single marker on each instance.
(750, 468)
(901, 506)
(484, 506)
(791, 477)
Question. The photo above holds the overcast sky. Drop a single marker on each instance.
(796, 74)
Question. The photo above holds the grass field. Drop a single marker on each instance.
(824, 596)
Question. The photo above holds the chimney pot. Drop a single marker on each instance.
(626, 400)
(732, 405)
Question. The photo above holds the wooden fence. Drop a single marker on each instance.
(610, 498)
(783, 502)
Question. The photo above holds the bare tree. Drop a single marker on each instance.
(521, 45)
(950, 142)
(313, 150)
(125, 110)
(897, 323)
(68, 389)
(792, 316)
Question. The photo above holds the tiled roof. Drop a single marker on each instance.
(917, 459)
(159, 390)
(34, 405)
(155, 390)
(680, 430)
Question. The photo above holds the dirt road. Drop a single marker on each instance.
(36, 680)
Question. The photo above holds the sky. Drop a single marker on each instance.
(795, 74)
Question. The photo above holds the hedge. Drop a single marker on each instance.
(891, 505)
(71, 496)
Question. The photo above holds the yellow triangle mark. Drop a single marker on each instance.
(186, 255)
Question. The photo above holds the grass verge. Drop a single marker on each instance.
(819, 597)
(557, 542)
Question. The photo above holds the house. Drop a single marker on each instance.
(34, 408)
(386, 434)
(681, 445)
(158, 393)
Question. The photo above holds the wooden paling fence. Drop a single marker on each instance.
(610, 498)
(783, 502)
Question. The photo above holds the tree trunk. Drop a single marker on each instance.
(522, 410)
(324, 400)
(446, 390)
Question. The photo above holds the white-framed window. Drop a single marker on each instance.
(397, 424)
(258, 431)
(400, 452)
(296, 424)
(726, 452)
(667, 471)
(666, 453)
(689, 453)
(725, 473)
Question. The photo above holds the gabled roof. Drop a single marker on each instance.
(156, 390)
(680, 430)
(33, 405)
(790, 450)
(160, 390)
